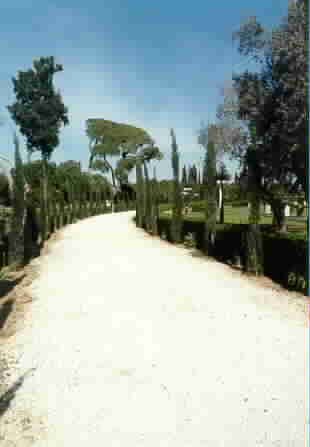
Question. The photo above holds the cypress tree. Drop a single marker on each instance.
(211, 204)
(16, 237)
(205, 170)
(155, 203)
(190, 175)
(148, 203)
(194, 175)
(184, 176)
(140, 194)
(176, 224)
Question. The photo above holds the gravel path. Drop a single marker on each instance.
(131, 341)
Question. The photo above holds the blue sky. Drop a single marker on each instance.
(154, 65)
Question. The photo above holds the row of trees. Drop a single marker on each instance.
(68, 188)
(191, 176)
(148, 191)
(39, 113)
(64, 180)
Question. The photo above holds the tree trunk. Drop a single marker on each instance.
(254, 250)
(221, 204)
(113, 181)
(278, 209)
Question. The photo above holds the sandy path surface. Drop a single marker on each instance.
(131, 341)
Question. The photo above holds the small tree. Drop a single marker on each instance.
(177, 196)
(39, 112)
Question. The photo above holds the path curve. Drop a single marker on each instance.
(131, 341)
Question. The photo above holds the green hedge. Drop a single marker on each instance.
(238, 203)
(290, 266)
(198, 207)
(285, 256)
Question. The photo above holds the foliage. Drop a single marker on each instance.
(108, 138)
(232, 133)
(39, 110)
(273, 102)
(115, 135)
(284, 74)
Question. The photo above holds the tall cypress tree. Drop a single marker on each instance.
(184, 176)
(206, 140)
(148, 203)
(140, 194)
(176, 225)
(190, 176)
(194, 175)
(155, 213)
(204, 170)
(16, 237)
(211, 206)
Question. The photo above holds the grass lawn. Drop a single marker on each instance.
(240, 215)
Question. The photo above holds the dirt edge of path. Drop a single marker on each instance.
(19, 299)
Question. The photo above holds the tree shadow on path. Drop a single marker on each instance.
(6, 303)
(9, 395)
